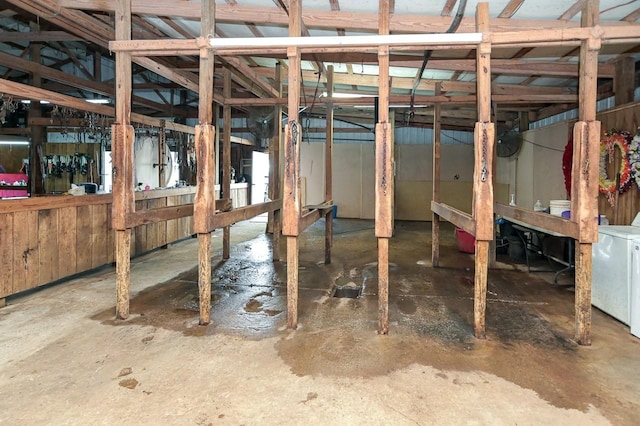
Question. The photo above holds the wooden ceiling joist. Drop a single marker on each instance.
(314, 18)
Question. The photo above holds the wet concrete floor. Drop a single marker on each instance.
(529, 324)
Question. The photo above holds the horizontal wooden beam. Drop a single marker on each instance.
(541, 220)
(457, 217)
(220, 220)
(418, 100)
(161, 214)
(36, 36)
(314, 18)
(23, 91)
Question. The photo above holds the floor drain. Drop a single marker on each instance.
(347, 292)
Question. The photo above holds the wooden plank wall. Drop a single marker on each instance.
(628, 204)
(41, 245)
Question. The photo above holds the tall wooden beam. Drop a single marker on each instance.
(291, 197)
(435, 224)
(328, 169)
(383, 173)
(484, 136)
(38, 133)
(274, 222)
(584, 199)
(122, 136)
(624, 81)
(226, 160)
(204, 203)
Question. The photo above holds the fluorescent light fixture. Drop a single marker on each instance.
(45, 102)
(351, 41)
(26, 101)
(13, 140)
(393, 106)
(349, 95)
(98, 101)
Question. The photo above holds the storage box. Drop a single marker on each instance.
(466, 241)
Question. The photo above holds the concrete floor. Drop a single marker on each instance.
(64, 359)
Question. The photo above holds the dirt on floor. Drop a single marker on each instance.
(247, 368)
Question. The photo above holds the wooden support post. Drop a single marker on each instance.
(484, 137)
(204, 277)
(123, 272)
(624, 80)
(122, 136)
(38, 133)
(226, 160)
(328, 170)
(435, 224)
(292, 282)
(204, 203)
(383, 286)
(275, 180)
(291, 202)
(122, 208)
(383, 174)
(480, 288)
(586, 149)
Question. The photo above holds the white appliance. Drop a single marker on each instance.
(634, 305)
(613, 271)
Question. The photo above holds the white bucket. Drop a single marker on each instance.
(556, 207)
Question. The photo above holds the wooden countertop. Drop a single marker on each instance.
(44, 202)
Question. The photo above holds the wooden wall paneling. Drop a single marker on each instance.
(111, 238)
(174, 224)
(26, 251)
(140, 232)
(48, 244)
(99, 238)
(6, 256)
(153, 229)
(67, 241)
(83, 238)
(161, 226)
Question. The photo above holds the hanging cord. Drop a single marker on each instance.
(307, 121)
(427, 53)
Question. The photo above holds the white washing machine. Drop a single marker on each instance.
(613, 271)
(634, 305)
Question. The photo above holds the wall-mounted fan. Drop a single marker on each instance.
(261, 124)
(509, 143)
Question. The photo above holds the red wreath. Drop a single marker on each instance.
(567, 165)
